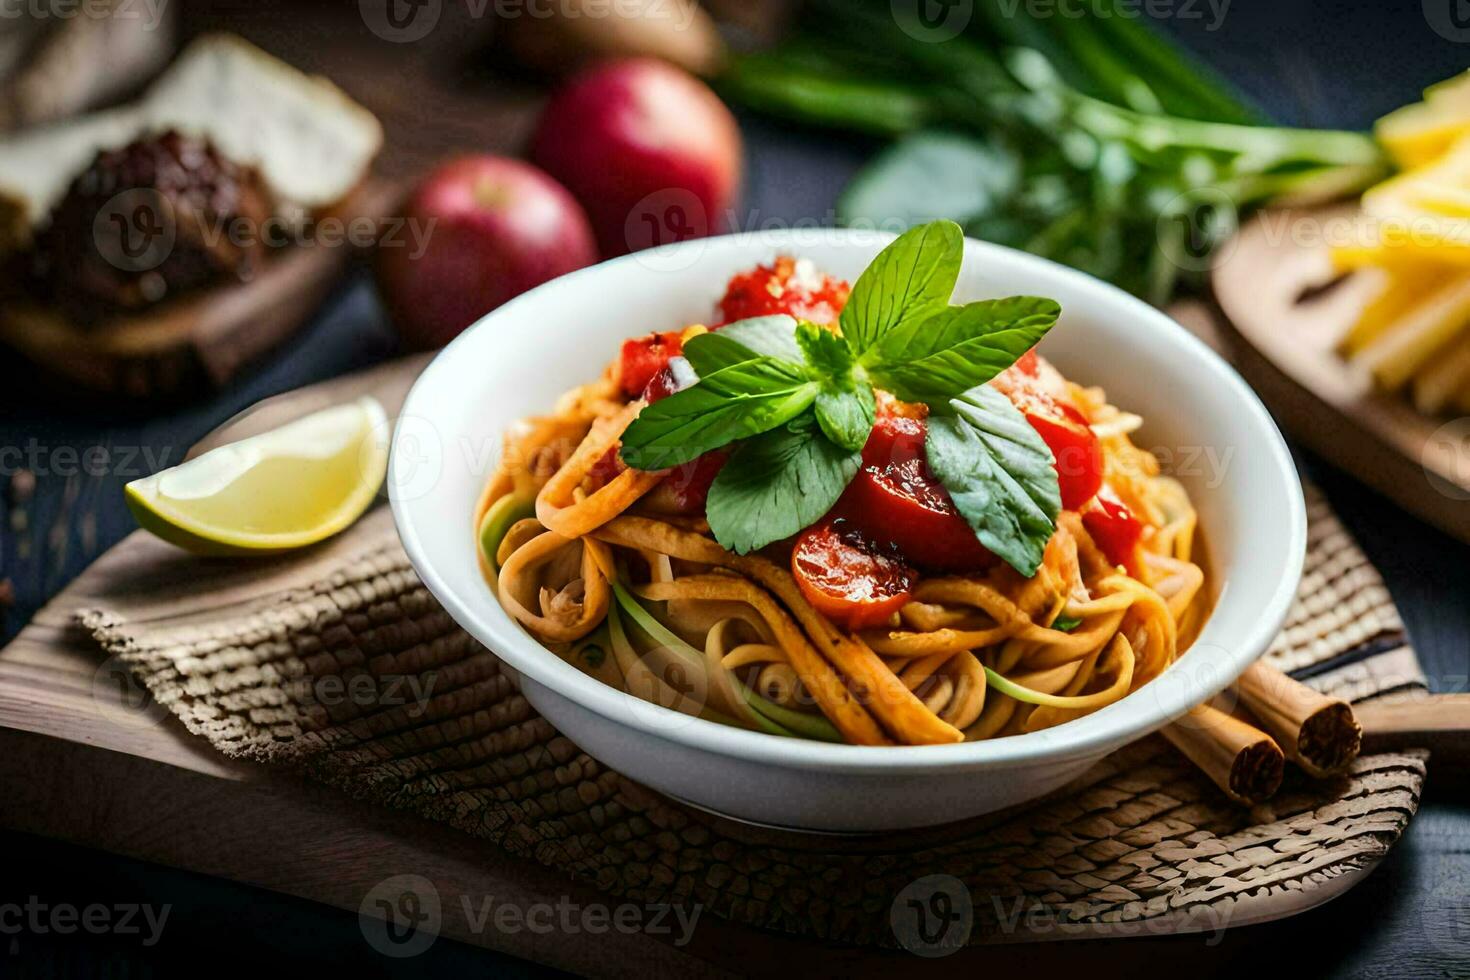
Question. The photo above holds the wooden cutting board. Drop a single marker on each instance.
(1285, 313)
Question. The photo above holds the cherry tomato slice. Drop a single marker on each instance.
(1078, 454)
(785, 286)
(895, 499)
(1040, 392)
(846, 578)
(898, 433)
(644, 357)
(1115, 528)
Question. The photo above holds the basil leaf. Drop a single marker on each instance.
(733, 403)
(999, 473)
(909, 281)
(1065, 624)
(846, 417)
(845, 407)
(776, 485)
(953, 351)
(743, 340)
(825, 352)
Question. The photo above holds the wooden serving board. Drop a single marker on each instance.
(1275, 284)
(203, 339)
(86, 757)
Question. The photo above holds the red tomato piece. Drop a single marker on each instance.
(1078, 454)
(785, 286)
(846, 578)
(1028, 364)
(607, 467)
(673, 377)
(1114, 527)
(894, 498)
(1032, 377)
(898, 432)
(688, 485)
(644, 357)
(1039, 391)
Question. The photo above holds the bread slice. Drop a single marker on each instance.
(38, 165)
(311, 142)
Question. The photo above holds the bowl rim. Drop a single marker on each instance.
(1092, 734)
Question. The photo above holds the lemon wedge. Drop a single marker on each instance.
(282, 489)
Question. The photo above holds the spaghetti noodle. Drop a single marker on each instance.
(615, 569)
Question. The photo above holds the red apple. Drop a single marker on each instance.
(477, 231)
(649, 150)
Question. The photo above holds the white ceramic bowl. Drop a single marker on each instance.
(1199, 415)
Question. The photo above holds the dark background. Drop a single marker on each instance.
(1308, 63)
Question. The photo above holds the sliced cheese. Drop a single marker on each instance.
(1405, 288)
(1404, 347)
(1443, 378)
(1421, 132)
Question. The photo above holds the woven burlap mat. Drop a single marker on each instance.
(249, 655)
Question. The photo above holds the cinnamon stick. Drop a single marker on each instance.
(1319, 733)
(1245, 762)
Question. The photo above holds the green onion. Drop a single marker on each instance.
(629, 661)
(666, 638)
(656, 631)
(800, 723)
(498, 520)
(879, 108)
(1186, 86)
(771, 717)
(1013, 690)
(1026, 694)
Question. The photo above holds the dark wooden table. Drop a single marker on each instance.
(1323, 64)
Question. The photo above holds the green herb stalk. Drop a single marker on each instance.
(1092, 141)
